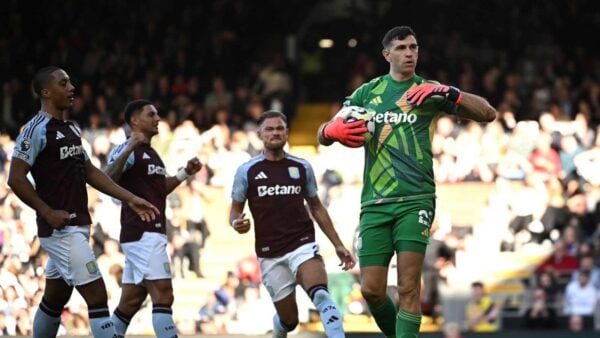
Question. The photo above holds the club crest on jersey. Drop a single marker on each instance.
(294, 172)
(167, 267)
(91, 267)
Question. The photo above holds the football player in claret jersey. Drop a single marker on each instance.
(50, 148)
(137, 167)
(276, 184)
(398, 195)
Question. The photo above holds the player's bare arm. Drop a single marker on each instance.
(321, 216)
(237, 217)
(468, 105)
(476, 108)
(115, 169)
(18, 182)
(99, 180)
(192, 167)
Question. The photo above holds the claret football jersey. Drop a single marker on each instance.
(54, 151)
(144, 175)
(276, 191)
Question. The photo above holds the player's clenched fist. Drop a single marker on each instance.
(193, 166)
(241, 224)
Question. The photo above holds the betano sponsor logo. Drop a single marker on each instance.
(69, 151)
(154, 169)
(395, 118)
(264, 190)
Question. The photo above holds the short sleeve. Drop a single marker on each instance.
(240, 184)
(116, 152)
(30, 143)
(311, 182)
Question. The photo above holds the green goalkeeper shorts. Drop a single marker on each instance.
(394, 227)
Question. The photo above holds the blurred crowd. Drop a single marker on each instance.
(210, 79)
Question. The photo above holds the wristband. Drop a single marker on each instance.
(182, 175)
(455, 95)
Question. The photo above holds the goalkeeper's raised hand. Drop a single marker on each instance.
(348, 134)
(417, 95)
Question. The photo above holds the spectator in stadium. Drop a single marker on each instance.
(137, 167)
(560, 263)
(276, 185)
(544, 158)
(212, 316)
(547, 282)
(586, 263)
(185, 251)
(587, 162)
(110, 255)
(576, 323)
(569, 149)
(388, 226)
(248, 270)
(452, 330)
(3, 326)
(481, 313)
(50, 148)
(539, 315)
(218, 98)
(581, 297)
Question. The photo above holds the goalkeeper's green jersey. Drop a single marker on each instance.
(398, 158)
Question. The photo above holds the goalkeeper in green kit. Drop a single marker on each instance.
(398, 194)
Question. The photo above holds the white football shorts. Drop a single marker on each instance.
(70, 256)
(146, 259)
(279, 274)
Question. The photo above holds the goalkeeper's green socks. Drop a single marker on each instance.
(385, 316)
(407, 324)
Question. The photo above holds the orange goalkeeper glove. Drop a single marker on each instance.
(348, 134)
(417, 95)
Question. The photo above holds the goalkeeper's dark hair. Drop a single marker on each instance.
(397, 33)
(134, 108)
(43, 78)
(270, 114)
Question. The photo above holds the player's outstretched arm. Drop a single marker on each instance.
(476, 108)
(20, 185)
(99, 180)
(320, 214)
(468, 105)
